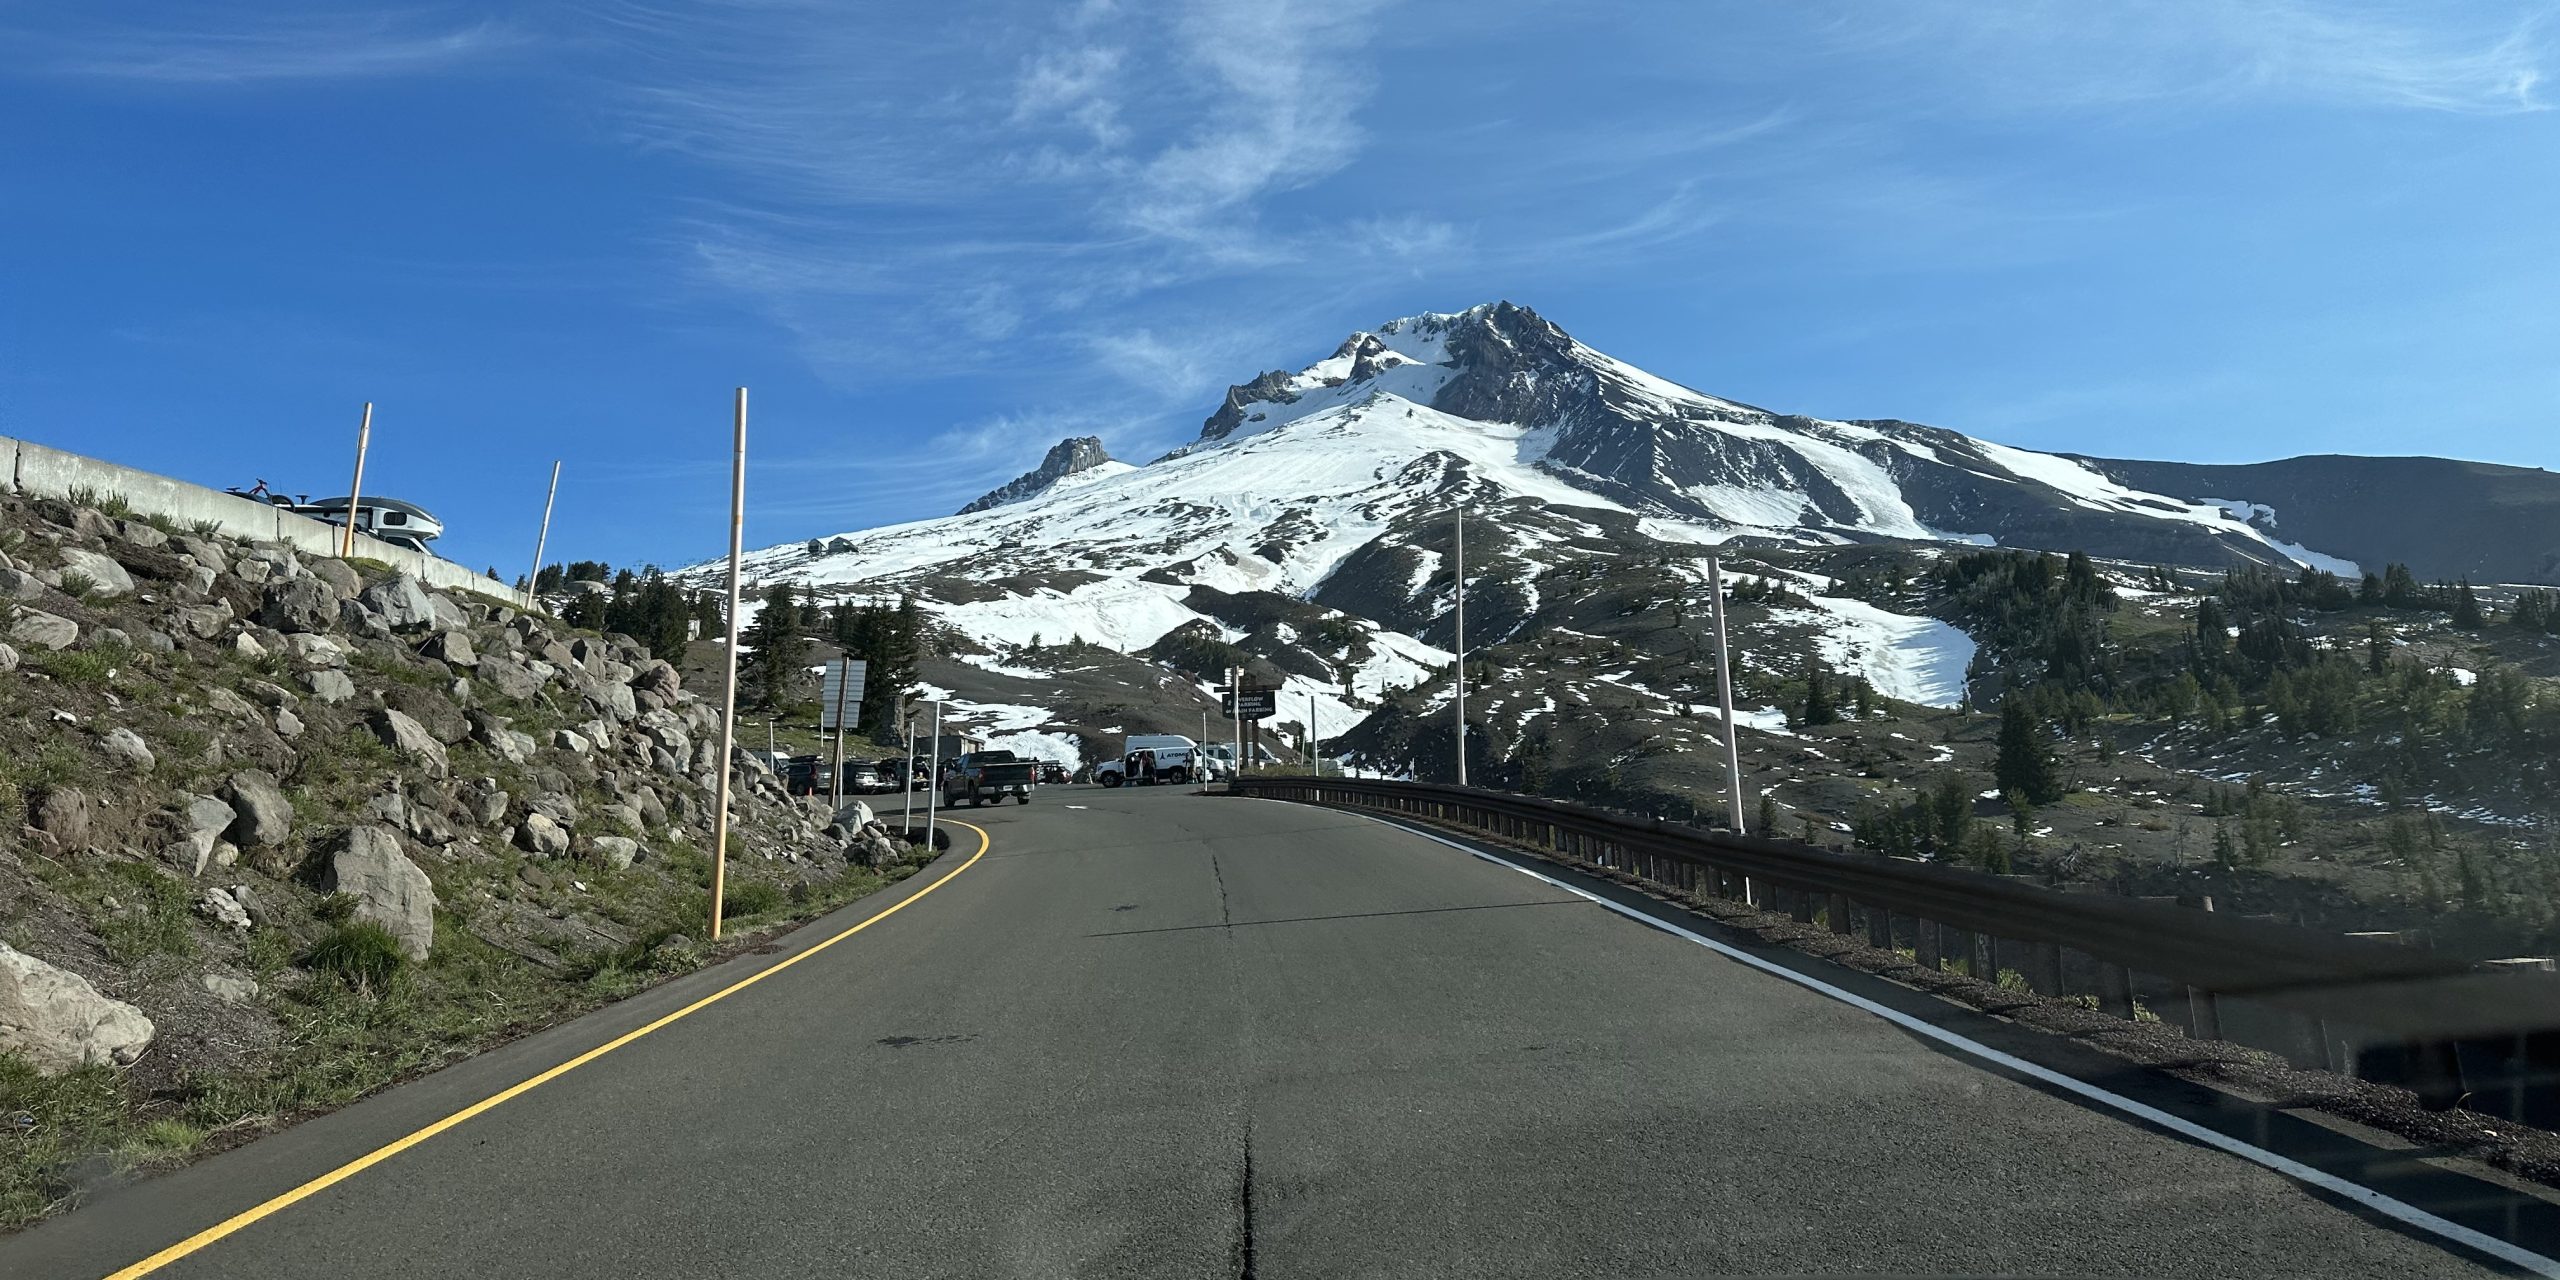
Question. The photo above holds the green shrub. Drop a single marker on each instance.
(361, 952)
(742, 898)
(160, 522)
(205, 528)
(86, 667)
(78, 585)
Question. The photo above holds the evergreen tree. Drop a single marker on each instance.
(586, 612)
(1768, 814)
(774, 649)
(2224, 855)
(2466, 607)
(2025, 767)
(548, 579)
(1819, 708)
(2377, 647)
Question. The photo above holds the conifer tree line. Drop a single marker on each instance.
(775, 652)
(646, 605)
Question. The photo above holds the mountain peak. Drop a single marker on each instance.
(1074, 455)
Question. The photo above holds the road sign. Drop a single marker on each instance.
(841, 695)
(1258, 704)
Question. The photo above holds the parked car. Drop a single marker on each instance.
(981, 776)
(804, 775)
(1172, 766)
(1053, 773)
(912, 775)
(862, 778)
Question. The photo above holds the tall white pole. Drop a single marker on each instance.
(1724, 692)
(729, 664)
(543, 539)
(1461, 522)
(355, 487)
(933, 780)
(1235, 704)
(907, 784)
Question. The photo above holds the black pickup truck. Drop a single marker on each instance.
(983, 776)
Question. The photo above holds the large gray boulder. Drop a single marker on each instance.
(404, 603)
(55, 1020)
(538, 834)
(388, 889)
(63, 813)
(8, 658)
(18, 584)
(610, 698)
(263, 817)
(298, 605)
(339, 576)
(37, 629)
(329, 685)
(512, 679)
(317, 650)
(617, 852)
(127, 748)
(448, 615)
(205, 819)
(453, 647)
(656, 684)
(204, 551)
(408, 739)
(106, 577)
(205, 621)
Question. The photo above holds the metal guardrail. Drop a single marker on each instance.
(2438, 1024)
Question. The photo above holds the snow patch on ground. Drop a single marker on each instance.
(1906, 658)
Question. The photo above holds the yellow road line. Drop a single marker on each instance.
(384, 1152)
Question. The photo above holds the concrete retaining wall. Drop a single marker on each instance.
(53, 473)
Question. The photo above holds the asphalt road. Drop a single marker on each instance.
(1153, 1034)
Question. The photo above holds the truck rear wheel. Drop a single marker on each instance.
(1110, 780)
(1176, 776)
(1022, 798)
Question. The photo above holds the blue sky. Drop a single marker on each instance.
(934, 238)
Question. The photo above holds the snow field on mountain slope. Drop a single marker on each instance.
(1906, 658)
(2085, 486)
(1003, 727)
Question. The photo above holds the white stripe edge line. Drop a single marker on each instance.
(2397, 1210)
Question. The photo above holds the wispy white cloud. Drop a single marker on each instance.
(273, 47)
(2039, 54)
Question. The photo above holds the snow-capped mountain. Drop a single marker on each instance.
(1308, 526)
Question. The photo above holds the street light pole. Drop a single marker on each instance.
(1724, 691)
(1461, 524)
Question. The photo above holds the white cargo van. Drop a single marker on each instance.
(1178, 760)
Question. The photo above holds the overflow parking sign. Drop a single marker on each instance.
(1256, 703)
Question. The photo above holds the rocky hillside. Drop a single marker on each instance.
(1077, 456)
(291, 827)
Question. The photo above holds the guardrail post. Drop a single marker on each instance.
(1803, 904)
(1956, 945)
(2204, 1016)
(1879, 928)
(2044, 968)
(1924, 943)
(2115, 990)
(1837, 908)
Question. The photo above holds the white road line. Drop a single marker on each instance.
(2397, 1210)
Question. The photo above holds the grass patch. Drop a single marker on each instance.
(149, 919)
(740, 899)
(104, 503)
(77, 585)
(206, 529)
(361, 953)
(160, 522)
(86, 668)
(373, 661)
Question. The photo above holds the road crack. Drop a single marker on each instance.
(1244, 1248)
